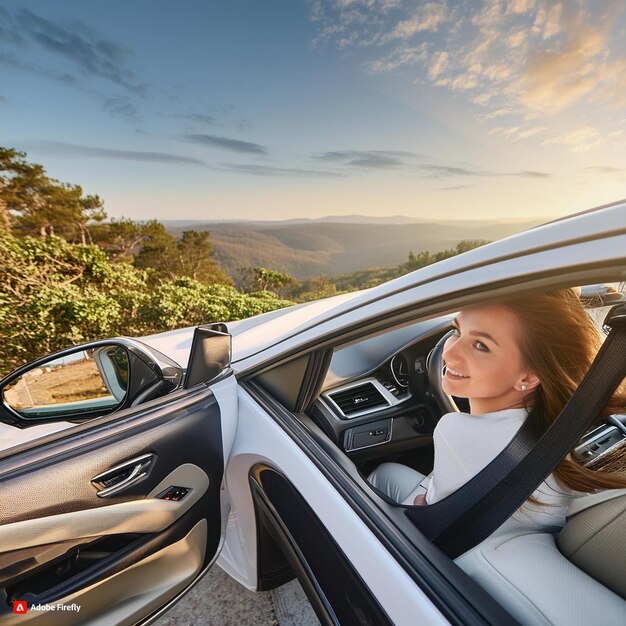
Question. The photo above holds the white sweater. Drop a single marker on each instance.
(465, 444)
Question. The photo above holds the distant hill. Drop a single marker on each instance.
(306, 248)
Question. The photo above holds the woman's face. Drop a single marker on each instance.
(484, 362)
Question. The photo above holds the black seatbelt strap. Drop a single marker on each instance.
(466, 517)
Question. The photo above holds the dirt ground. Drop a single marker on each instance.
(71, 382)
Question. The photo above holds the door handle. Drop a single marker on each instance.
(122, 476)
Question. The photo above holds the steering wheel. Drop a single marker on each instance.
(435, 368)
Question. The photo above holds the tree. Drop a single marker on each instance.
(158, 251)
(312, 289)
(425, 258)
(16, 178)
(31, 203)
(168, 258)
(54, 294)
(266, 279)
(194, 252)
(118, 238)
(186, 301)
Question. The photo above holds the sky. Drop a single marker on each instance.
(279, 109)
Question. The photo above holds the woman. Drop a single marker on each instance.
(508, 359)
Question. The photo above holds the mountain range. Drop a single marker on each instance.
(335, 245)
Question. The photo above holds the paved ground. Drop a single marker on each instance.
(217, 600)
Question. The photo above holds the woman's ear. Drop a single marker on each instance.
(527, 383)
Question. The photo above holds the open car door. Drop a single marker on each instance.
(110, 520)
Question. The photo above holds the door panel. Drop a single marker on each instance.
(126, 597)
(147, 515)
(121, 557)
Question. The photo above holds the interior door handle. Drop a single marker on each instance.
(122, 476)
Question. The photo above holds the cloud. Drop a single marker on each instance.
(554, 79)
(78, 44)
(403, 55)
(579, 140)
(226, 143)
(604, 169)
(531, 132)
(11, 60)
(8, 31)
(374, 159)
(266, 170)
(531, 174)
(517, 39)
(201, 118)
(362, 159)
(553, 25)
(394, 159)
(121, 107)
(448, 171)
(75, 150)
(427, 17)
(520, 6)
(456, 188)
(438, 63)
(527, 59)
(518, 132)
(3, 100)
(451, 171)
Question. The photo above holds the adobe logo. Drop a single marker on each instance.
(20, 606)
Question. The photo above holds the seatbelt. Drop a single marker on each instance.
(469, 515)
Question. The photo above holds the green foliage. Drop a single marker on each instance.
(31, 203)
(54, 294)
(168, 258)
(118, 238)
(373, 277)
(158, 250)
(266, 279)
(186, 301)
(194, 251)
(425, 258)
(312, 289)
(366, 278)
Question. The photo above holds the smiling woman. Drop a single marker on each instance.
(487, 367)
(515, 361)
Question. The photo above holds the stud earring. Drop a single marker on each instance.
(523, 387)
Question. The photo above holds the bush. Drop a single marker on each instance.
(54, 294)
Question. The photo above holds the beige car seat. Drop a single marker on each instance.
(574, 579)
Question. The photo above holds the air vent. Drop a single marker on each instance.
(359, 398)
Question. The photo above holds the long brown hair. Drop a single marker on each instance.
(558, 341)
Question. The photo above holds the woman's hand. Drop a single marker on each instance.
(420, 500)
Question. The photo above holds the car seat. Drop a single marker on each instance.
(574, 578)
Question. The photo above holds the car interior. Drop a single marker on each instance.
(380, 400)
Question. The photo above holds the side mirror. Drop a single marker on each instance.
(92, 380)
(86, 382)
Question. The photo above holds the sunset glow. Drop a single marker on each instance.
(286, 109)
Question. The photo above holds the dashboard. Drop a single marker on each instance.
(376, 391)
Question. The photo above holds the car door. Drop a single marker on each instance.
(111, 520)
